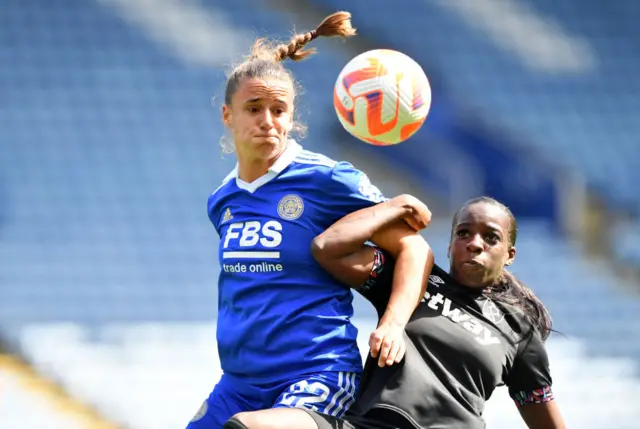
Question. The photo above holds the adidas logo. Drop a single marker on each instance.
(227, 215)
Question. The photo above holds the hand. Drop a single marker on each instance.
(418, 214)
(387, 344)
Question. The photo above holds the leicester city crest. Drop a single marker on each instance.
(290, 207)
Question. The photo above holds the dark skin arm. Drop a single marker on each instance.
(542, 416)
(393, 226)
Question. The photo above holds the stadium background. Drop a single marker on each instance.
(109, 149)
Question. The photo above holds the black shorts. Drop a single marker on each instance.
(324, 421)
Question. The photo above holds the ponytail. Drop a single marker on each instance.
(509, 290)
(265, 59)
(337, 24)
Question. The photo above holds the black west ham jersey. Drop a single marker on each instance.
(460, 347)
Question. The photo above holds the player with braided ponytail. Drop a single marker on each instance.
(265, 64)
(284, 333)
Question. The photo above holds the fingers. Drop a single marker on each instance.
(395, 353)
(416, 223)
(424, 216)
(375, 343)
(402, 348)
(387, 346)
(418, 220)
(413, 224)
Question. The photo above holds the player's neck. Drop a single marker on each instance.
(251, 169)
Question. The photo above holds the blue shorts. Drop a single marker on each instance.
(329, 393)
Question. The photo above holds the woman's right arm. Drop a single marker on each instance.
(341, 250)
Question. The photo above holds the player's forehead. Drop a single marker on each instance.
(483, 215)
(268, 89)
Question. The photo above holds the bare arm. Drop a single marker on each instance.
(414, 261)
(530, 385)
(341, 250)
(542, 416)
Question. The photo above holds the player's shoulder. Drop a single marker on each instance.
(321, 163)
(520, 324)
(313, 161)
(439, 277)
(224, 188)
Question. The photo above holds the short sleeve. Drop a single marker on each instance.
(529, 380)
(351, 189)
(212, 212)
(377, 288)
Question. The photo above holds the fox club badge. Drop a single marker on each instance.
(290, 207)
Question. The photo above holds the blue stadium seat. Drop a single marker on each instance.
(581, 113)
(625, 241)
(113, 153)
(110, 149)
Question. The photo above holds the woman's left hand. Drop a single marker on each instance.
(387, 344)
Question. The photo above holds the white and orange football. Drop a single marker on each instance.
(382, 97)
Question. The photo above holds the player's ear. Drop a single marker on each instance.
(226, 116)
(511, 256)
(291, 123)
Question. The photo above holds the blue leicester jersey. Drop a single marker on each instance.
(279, 313)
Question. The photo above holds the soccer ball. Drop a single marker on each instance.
(382, 97)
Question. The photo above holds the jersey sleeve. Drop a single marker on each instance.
(212, 211)
(351, 190)
(529, 380)
(377, 288)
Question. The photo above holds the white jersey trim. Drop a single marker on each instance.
(312, 158)
(286, 158)
(293, 153)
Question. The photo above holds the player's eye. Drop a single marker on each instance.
(492, 238)
(462, 233)
(253, 109)
(278, 111)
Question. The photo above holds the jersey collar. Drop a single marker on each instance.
(285, 159)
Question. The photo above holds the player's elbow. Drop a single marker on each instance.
(412, 241)
(401, 239)
(320, 250)
(416, 248)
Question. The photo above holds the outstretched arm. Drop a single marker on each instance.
(392, 225)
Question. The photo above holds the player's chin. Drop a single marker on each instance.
(266, 146)
(473, 275)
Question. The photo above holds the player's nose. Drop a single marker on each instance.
(266, 120)
(475, 243)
